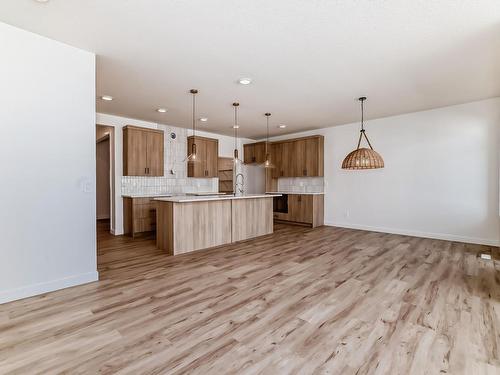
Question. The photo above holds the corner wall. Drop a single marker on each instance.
(47, 157)
(440, 178)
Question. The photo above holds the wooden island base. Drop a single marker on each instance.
(189, 225)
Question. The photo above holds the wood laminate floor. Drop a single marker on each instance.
(301, 301)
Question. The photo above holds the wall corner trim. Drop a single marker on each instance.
(436, 236)
(48, 286)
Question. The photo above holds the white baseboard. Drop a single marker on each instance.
(48, 286)
(437, 236)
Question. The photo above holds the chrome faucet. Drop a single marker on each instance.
(239, 187)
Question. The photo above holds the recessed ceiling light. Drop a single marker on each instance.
(245, 81)
(161, 110)
(282, 126)
(236, 126)
(203, 119)
(42, 1)
(107, 98)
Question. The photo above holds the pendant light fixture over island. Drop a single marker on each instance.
(267, 163)
(192, 155)
(236, 158)
(363, 158)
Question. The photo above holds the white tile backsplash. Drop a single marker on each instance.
(171, 183)
(301, 184)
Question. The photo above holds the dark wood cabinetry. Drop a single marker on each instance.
(254, 153)
(207, 152)
(142, 151)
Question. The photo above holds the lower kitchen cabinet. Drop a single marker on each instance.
(139, 215)
(306, 209)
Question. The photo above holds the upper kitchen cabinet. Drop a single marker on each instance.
(254, 153)
(301, 157)
(282, 156)
(207, 156)
(142, 151)
(308, 154)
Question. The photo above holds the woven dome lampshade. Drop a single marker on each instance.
(363, 158)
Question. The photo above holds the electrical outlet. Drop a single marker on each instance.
(346, 213)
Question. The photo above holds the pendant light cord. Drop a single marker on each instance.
(194, 113)
(363, 133)
(235, 105)
(267, 138)
(362, 115)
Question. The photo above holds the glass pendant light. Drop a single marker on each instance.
(192, 157)
(363, 158)
(267, 163)
(236, 158)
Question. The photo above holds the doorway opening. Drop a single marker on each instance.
(105, 167)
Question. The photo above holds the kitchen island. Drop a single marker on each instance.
(190, 223)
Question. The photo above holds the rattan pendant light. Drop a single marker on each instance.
(267, 163)
(363, 158)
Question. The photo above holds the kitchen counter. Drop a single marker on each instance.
(190, 223)
(145, 195)
(293, 192)
(193, 198)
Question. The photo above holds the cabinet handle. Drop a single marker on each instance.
(145, 171)
(305, 172)
(300, 198)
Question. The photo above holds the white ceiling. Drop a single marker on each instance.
(309, 59)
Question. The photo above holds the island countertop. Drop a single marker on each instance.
(190, 223)
(187, 199)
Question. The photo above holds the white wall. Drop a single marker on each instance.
(47, 159)
(175, 153)
(440, 178)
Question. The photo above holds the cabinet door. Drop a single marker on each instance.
(314, 157)
(248, 153)
(259, 153)
(300, 208)
(276, 157)
(197, 168)
(298, 157)
(211, 158)
(134, 155)
(155, 154)
(293, 207)
(287, 160)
